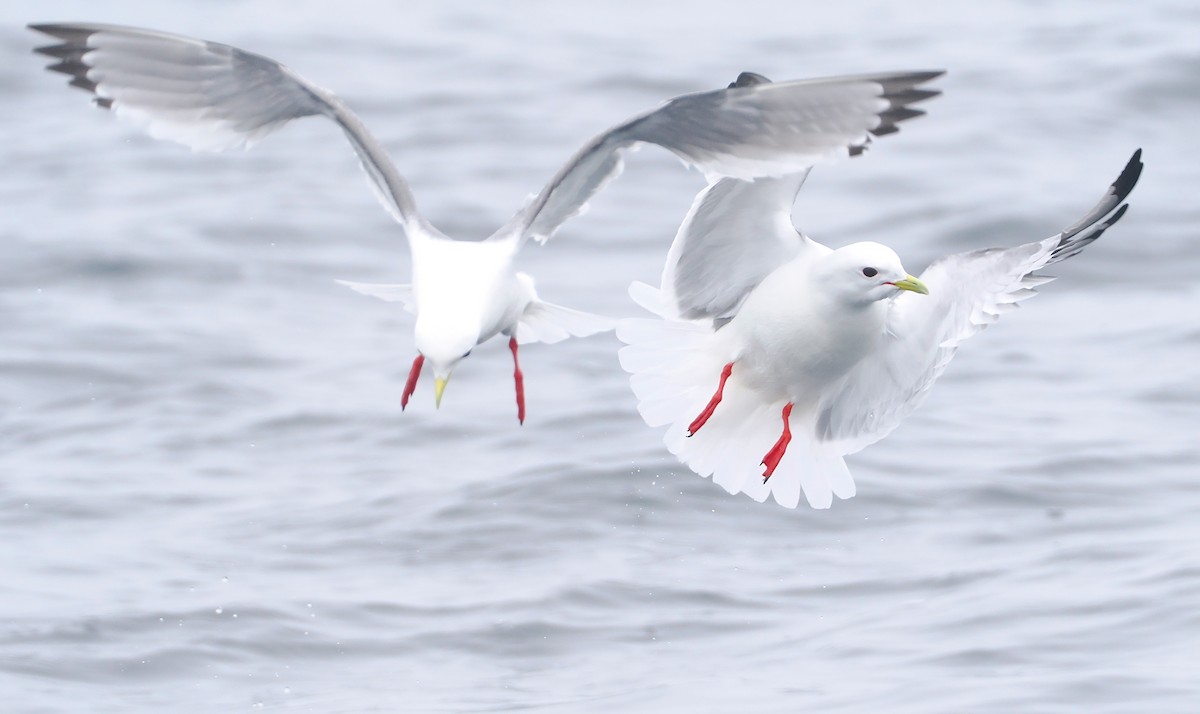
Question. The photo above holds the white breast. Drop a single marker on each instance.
(794, 340)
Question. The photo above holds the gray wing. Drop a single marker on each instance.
(736, 233)
(967, 292)
(753, 128)
(209, 96)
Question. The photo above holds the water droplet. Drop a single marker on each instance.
(224, 578)
(219, 610)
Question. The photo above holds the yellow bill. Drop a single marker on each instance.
(913, 284)
(439, 386)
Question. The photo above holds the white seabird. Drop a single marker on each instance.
(774, 356)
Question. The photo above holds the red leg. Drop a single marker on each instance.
(519, 380)
(712, 403)
(773, 457)
(410, 385)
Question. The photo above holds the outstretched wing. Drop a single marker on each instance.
(753, 128)
(210, 96)
(967, 292)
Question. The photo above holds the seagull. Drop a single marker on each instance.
(772, 356)
(211, 96)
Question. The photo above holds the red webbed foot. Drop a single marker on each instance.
(518, 380)
(775, 455)
(410, 385)
(712, 403)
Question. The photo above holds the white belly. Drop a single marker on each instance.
(794, 345)
(467, 287)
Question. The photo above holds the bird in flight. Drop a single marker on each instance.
(211, 96)
(773, 356)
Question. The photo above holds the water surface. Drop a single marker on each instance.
(211, 501)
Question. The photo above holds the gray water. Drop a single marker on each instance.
(211, 501)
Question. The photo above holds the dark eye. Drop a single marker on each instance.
(870, 272)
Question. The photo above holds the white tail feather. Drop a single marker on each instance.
(675, 368)
(652, 299)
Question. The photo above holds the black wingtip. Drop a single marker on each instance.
(69, 52)
(897, 114)
(59, 51)
(748, 79)
(1116, 193)
(62, 31)
(901, 90)
(72, 67)
(912, 96)
(1117, 215)
(1129, 176)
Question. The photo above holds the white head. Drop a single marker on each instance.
(444, 343)
(864, 273)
